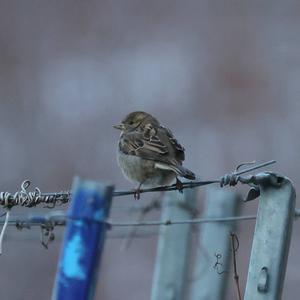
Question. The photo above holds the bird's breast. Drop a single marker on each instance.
(141, 170)
(134, 167)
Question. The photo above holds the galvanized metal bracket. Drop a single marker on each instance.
(271, 241)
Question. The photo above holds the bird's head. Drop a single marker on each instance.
(135, 120)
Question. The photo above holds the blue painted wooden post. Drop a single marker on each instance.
(83, 241)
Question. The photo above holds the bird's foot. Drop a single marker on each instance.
(179, 185)
(137, 193)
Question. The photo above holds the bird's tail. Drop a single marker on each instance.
(184, 172)
(178, 169)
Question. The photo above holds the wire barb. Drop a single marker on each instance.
(47, 234)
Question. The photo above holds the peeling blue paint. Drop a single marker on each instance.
(78, 223)
(74, 252)
(99, 215)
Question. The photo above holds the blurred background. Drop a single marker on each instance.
(224, 76)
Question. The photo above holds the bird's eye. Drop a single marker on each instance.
(131, 123)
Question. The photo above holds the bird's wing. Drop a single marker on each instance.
(178, 149)
(153, 143)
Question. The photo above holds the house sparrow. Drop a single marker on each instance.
(148, 153)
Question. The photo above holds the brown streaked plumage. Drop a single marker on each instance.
(148, 152)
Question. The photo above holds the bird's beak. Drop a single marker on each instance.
(119, 126)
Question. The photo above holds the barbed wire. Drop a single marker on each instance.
(181, 222)
(48, 222)
(190, 221)
(33, 198)
(60, 219)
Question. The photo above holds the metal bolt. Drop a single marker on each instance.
(263, 279)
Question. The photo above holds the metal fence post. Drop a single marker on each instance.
(271, 240)
(173, 247)
(83, 241)
(214, 238)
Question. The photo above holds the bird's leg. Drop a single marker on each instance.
(179, 185)
(137, 192)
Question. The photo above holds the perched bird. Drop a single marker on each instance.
(148, 153)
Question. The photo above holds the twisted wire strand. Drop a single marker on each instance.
(27, 198)
(60, 219)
